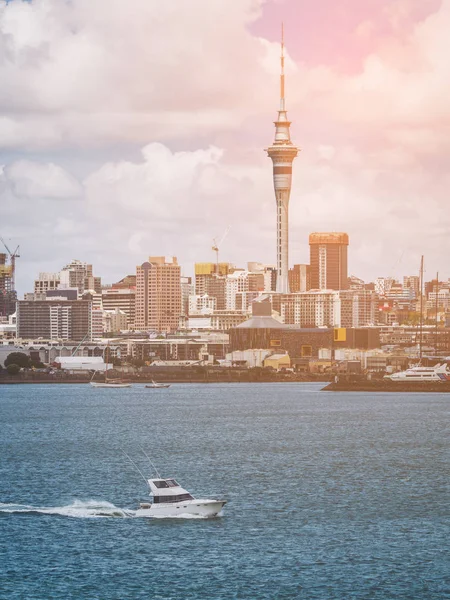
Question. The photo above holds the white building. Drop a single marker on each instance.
(96, 323)
(45, 282)
(202, 304)
(330, 308)
(114, 321)
(236, 282)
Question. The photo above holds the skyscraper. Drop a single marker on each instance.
(282, 152)
(158, 294)
(328, 261)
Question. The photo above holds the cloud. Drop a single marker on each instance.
(35, 180)
(141, 70)
(195, 85)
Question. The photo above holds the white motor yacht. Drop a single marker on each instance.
(423, 374)
(171, 500)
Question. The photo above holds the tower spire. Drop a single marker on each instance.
(282, 101)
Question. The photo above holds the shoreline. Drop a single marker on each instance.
(439, 387)
(143, 381)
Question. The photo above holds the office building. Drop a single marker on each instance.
(80, 275)
(204, 272)
(299, 278)
(122, 299)
(158, 295)
(328, 261)
(55, 319)
(46, 282)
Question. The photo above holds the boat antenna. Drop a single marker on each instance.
(136, 467)
(148, 458)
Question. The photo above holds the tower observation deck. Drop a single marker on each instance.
(282, 152)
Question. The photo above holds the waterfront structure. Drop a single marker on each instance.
(158, 295)
(262, 331)
(282, 152)
(328, 260)
(57, 319)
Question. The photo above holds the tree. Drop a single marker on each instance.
(13, 369)
(116, 362)
(18, 358)
(37, 364)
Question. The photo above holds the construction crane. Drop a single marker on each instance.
(12, 258)
(216, 245)
(8, 294)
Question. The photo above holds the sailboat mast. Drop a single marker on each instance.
(106, 362)
(421, 310)
(436, 306)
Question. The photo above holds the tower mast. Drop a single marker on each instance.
(282, 152)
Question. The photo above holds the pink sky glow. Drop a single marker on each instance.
(137, 128)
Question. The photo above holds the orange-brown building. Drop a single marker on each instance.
(299, 278)
(158, 295)
(328, 261)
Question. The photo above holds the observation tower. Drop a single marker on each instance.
(282, 152)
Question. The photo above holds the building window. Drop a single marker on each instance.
(306, 351)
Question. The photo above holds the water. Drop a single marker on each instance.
(330, 496)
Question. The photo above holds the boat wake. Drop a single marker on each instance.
(90, 509)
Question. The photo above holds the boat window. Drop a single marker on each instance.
(172, 483)
(179, 498)
(161, 484)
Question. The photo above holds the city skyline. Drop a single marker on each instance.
(368, 106)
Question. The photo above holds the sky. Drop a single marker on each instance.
(135, 129)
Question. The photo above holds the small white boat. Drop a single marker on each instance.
(157, 385)
(171, 500)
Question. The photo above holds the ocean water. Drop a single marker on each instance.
(330, 495)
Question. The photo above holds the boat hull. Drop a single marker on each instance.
(197, 508)
(98, 384)
(157, 387)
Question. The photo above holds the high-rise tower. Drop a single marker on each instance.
(282, 152)
(328, 259)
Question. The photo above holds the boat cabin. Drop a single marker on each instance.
(168, 490)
